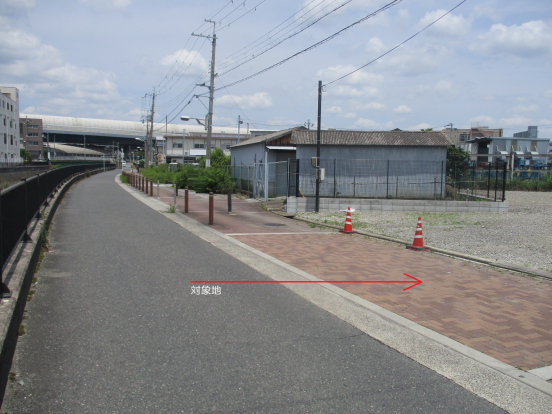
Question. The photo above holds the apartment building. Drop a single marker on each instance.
(9, 125)
(459, 137)
(31, 136)
(195, 145)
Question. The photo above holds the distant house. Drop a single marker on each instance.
(345, 155)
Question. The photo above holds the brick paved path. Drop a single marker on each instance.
(504, 315)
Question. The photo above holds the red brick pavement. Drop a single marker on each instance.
(504, 315)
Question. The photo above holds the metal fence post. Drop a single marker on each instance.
(489, 180)
(151, 187)
(297, 180)
(496, 179)
(26, 237)
(38, 214)
(335, 182)
(4, 291)
(504, 182)
(387, 196)
(211, 208)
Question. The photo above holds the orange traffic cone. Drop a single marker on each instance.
(418, 243)
(348, 229)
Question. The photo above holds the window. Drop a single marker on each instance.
(32, 134)
(11, 139)
(5, 138)
(177, 144)
(32, 126)
(200, 146)
(35, 143)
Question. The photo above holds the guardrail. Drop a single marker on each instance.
(21, 203)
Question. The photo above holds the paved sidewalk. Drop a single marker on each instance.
(502, 314)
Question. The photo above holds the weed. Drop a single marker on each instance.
(12, 376)
(87, 173)
(312, 225)
(172, 209)
(21, 330)
(30, 295)
(35, 279)
(124, 179)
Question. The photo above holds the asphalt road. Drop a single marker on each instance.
(113, 328)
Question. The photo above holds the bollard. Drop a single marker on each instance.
(211, 208)
(186, 199)
(229, 200)
(151, 187)
(158, 189)
(174, 195)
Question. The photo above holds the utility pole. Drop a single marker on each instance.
(166, 137)
(149, 149)
(319, 127)
(211, 93)
(239, 123)
(308, 124)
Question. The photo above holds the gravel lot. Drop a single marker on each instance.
(522, 236)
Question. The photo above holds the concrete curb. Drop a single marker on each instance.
(504, 385)
(20, 270)
(503, 265)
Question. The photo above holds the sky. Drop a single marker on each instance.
(487, 62)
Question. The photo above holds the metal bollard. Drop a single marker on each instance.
(229, 200)
(186, 199)
(151, 187)
(211, 208)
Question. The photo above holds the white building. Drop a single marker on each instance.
(9, 125)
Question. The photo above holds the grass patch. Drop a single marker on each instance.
(21, 330)
(172, 209)
(12, 376)
(30, 295)
(124, 179)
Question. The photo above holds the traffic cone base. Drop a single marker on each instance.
(418, 243)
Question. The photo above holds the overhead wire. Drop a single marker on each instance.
(272, 46)
(317, 44)
(399, 45)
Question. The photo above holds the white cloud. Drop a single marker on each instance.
(257, 101)
(402, 109)
(45, 76)
(419, 127)
(516, 121)
(349, 115)
(358, 78)
(409, 60)
(108, 4)
(351, 92)
(404, 13)
(373, 125)
(526, 108)
(531, 39)
(29, 110)
(375, 45)
(334, 110)
(484, 120)
(184, 61)
(451, 25)
(17, 4)
(548, 93)
(372, 105)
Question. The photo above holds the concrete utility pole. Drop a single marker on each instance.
(149, 149)
(318, 133)
(239, 123)
(211, 93)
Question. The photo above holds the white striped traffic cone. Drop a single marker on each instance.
(418, 243)
(348, 229)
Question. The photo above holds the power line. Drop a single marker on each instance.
(289, 37)
(321, 42)
(400, 44)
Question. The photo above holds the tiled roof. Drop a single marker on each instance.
(406, 138)
(268, 137)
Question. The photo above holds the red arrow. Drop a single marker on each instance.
(415, 283)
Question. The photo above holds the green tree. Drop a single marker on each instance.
(25, 154)
(218, 159)
(426, 130)
(458, 161)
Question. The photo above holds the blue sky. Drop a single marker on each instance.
(488, 62)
